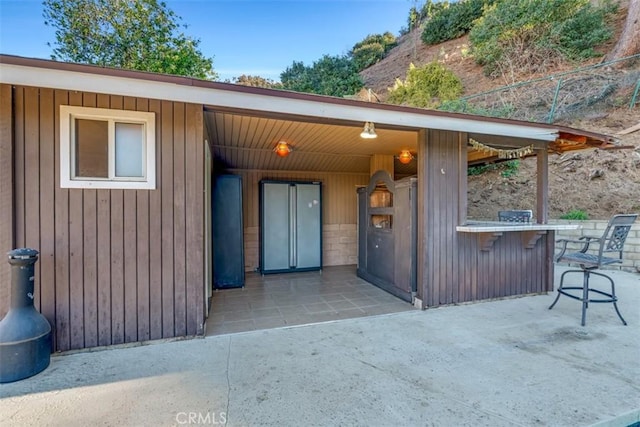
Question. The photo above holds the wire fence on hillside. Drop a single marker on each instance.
(582, 92)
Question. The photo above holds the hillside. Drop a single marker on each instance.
(600, 183)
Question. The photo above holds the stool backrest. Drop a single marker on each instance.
(616, 233)
(515, 216)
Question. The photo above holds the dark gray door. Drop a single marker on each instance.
(228, 232)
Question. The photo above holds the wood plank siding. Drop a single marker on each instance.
(6, 192)
(115, 265)
(452, 266)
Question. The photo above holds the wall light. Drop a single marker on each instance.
(369, 131)
(283, 149)
(405, 157)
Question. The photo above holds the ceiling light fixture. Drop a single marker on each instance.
(283, 149)
(369, 131)
(405, 157)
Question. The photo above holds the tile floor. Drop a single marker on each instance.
(276, 300)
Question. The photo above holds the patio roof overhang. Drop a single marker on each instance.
(244, 123)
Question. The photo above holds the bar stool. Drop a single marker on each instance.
(612, 240)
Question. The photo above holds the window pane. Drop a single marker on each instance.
(129, 149)
(92, 148)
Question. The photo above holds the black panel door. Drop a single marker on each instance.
(228, 242)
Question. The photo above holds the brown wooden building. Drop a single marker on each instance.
(126, 257)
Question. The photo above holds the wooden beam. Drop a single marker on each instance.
(542, 187)
(462, 178)
(422, 279)
(629, 130)
(507, 141)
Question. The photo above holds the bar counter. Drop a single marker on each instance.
(490, 231)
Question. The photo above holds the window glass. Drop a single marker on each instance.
(129, 149)
(92, 148)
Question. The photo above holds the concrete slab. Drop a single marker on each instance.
(501, 363)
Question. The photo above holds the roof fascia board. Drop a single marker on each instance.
(125, 86)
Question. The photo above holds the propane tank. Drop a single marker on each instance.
(25, 334)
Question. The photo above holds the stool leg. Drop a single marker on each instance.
(614, 298)
(585, 296)
(558, 290)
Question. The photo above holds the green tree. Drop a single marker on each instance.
(330, 75)
(372, 49)
(450, 21)
(256, 81)
(426, 86)
(133, 34)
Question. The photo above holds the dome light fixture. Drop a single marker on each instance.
(369, 131)
(405, 157)
(283, 149)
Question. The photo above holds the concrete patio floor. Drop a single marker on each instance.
(501, 363)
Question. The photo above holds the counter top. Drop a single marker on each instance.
(499, 227)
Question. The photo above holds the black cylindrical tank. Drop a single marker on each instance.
(25, 334)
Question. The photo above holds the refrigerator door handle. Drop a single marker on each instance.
(293, 226)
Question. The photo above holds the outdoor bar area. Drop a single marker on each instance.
(462, 259)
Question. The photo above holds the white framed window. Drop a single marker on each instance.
(103, 148)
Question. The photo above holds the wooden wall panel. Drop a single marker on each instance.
(453, 267)
(62, 338)
(142, 254)
(32, 179)
(155, 236)
(116, 265)
(381, 162)
(195, 220)
(166, 187)
(103, 243)
(6, 193)
(19, 172)
(179, 218)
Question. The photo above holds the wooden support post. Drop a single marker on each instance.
(542, 192)
(422, 281)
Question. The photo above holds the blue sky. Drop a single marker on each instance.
(258, 37)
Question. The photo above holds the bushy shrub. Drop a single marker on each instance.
(372, 49)
(575, 214)
(451, 21)
(426, 86)
(256, 81)
(427, 11)
(521, 34)
(330, 75)
(509, 168)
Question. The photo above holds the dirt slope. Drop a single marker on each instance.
(601, 183)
